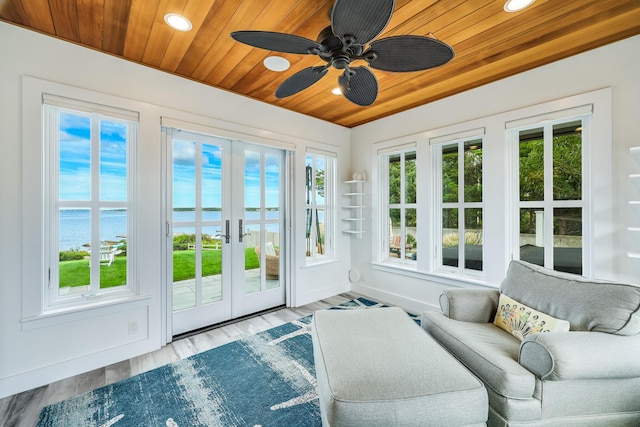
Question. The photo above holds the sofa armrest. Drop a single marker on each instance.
(470, 305)
(581, 355)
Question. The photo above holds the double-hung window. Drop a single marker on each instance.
(320, 173)
(460, 204)
(552, 214)
(89, 188)
(399, 205)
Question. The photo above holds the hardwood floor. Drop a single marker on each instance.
(23, 409)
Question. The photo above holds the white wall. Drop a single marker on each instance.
(616, 66)
(35, 355)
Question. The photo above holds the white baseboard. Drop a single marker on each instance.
(319, 294)
(411, 305)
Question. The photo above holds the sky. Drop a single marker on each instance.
(75, 167)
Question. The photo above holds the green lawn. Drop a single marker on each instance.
(76, 273)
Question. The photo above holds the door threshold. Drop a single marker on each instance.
(226, 323)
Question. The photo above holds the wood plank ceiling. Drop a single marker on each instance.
(490, 44)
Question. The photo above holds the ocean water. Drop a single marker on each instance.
(75, 225)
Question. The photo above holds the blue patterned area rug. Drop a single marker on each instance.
(267, 379)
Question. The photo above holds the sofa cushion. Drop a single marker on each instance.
(588, 305)
(521, 320)
(488, 351)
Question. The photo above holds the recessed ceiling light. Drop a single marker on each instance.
(336, 91)
(177, 22)
(276, 63)
(517, 5)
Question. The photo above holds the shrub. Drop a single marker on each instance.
(73, 255)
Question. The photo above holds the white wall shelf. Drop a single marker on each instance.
(634, 178)
(355, 218)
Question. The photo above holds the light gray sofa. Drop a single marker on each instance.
(587, 376)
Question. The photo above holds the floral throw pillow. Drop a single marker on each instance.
(520, 320)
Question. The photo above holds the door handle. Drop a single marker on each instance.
(227, 235)
(241, 232)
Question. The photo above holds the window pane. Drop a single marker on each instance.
(531, 165)
(74, 242)
(211, 265)
(184, 180)
(567, 161)
(567, 240)
(320, 227)
(450, 173)
(395, 230)
(394, 178)
(113, 161)
(450, 239)
(473, 171)
(309, 178)
(113, 247)
(75, 157)
(411, 232)
(410, 177)
(320, 174)
(184, 268)
(211, 182)
(532, 235)
(473, 239)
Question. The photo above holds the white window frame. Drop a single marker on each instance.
(383, 254)
(437, 144)
(582, 113)
(36, 243)
(330, 180)
(53, 107)
(499, 159)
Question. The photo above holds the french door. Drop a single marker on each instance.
(225, 242)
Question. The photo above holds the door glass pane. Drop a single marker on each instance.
(184, 180)
(255, 258)
(450, 239)
(531, 165)
(113, 247)
(211, 182)
(113, 161)
(272, 180)
(473, 239)
(74, 245)
(567, 161)
(75, 157)
(567, 240)
(450, 173)
(252, 185)
(184, 268)
(473, 171)
(411, 245)
(532, 235)
(211, 265)
(272, 256)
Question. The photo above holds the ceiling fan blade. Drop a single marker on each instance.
(361, 87)
(279, 42)
(300, 81)
(408, 53)
(361, 19)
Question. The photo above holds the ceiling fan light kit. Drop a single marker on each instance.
(350, 37)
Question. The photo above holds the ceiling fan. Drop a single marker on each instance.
(354, 24)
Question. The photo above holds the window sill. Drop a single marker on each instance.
(457, 280)
(90, 309)
(318, 263)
